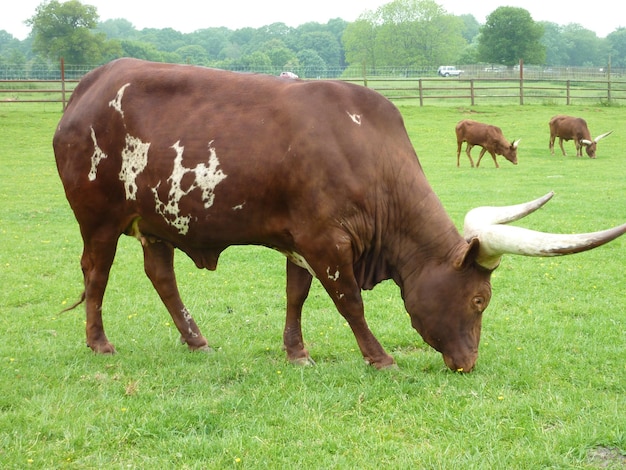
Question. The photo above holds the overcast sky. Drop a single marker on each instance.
(600, 16)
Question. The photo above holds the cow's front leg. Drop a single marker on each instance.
(341, 285)
(159, 267)
(468, 149)
(562, 149)
(579, 148)
(493, 155)
(298, 285)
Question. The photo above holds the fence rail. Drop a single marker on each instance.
(443, 91)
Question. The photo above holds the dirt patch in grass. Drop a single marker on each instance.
(608, 457)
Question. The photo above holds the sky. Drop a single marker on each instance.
(186, 16)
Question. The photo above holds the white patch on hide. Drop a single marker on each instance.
(134, 161)
(97, 156)
(332, 277)
(206, 179)
(238, 207)
(117, 102)
(356, 118)
(298, 260)
(188, 319)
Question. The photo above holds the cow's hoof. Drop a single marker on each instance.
(102, 348)
(385, 363)
(196, 343)
(303, 361)
(198, 347)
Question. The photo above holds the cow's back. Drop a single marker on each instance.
(569, 127)
(477, 133)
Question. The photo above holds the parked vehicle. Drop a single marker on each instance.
(449, 71)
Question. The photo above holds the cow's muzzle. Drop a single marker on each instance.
(461, 365)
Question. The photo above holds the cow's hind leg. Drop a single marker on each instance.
(298, 285)
(98, 254)
(159, 267)
(482, 152)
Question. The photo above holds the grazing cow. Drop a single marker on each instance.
(573, 128)
(324, 172)
(490, 138)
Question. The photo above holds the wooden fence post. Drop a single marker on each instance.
(521, 81)
(421, 93)
(472, 91)
(63, 83)
(364, 72)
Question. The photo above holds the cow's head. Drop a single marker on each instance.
(511, 152)
(590, 146)
(448, 299)
(447, 303)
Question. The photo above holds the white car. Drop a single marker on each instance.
(449, 71)
(288, 75)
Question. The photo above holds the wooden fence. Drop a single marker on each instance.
(422, 91)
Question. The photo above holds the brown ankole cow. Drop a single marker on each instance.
(573, 128)
(198, 159)
(489, 137)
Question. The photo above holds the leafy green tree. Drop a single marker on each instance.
(359, 42)
(326, 46)
(617, 44)
(257, 61)
(67, 30)
(166, 39)
(213, 40)
(141, 50)
(471, 27)
(510, 34)
(194, 54)
(278, 52)
(118, 29)
(405, 33)
(311, 64)
(552, 40)
(582, 46)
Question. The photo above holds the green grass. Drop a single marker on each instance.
(549, 390)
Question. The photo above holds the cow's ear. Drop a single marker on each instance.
(467, 254)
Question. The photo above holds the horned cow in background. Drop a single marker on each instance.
(489, 137)
(573, 128)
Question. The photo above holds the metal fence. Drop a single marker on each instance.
(477, 85)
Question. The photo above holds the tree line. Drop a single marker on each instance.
(402, 33)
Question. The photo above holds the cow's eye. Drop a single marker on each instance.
(479, 303)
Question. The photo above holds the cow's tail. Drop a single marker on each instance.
(75, 304)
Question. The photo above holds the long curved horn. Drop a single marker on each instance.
(497, 240)
(516, 143)
(601, 136)
(481, 217)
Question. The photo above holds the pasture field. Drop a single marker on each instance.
(549, 389)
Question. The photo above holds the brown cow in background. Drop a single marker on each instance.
(490, 138)
(573, 128)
